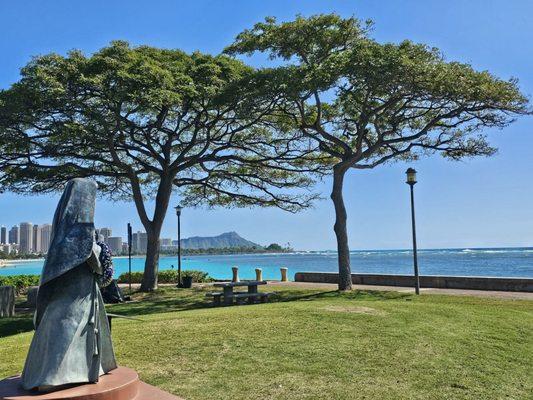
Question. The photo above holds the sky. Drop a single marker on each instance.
(484, 202)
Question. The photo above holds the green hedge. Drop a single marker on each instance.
(21, 282)
(167, 276)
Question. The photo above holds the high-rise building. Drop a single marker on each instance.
(115, 244)
(139, 242)
(105, 233)
(46, 236)
(26, 237)
(164, 242)
(8, 248)
(142, 237)
(14, 235)
(134, 242)
(37, 242)
(3, 235)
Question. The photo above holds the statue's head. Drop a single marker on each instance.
(73, 229)
(76, 204)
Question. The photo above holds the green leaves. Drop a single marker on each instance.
(145, 121)
(20, 282)
(309, 40)
(367, 102)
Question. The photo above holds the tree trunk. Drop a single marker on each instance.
(151, 264)
(153, 232)
(345, 272)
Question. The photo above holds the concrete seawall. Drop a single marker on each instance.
(426, 281)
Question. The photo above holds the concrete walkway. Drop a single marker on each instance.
(453, 292)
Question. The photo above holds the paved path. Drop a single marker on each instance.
(455, 292)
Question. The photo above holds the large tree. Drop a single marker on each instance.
(144, 122)
(368, 103)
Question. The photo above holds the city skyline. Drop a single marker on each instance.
(29, 238)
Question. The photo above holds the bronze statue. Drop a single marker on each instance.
(72, 342)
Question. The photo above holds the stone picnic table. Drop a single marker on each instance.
(228, 295)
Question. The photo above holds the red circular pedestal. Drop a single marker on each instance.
(120, 384)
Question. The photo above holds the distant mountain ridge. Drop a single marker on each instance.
(225, 240)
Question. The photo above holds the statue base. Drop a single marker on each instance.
(120, 384)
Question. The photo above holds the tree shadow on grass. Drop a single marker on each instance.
(15, 325)
(161, 301)
(169, 299)
(297, 295)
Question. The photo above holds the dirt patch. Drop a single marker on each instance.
(355, 310)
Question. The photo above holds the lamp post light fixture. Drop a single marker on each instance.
(411, 181)
(178, 209)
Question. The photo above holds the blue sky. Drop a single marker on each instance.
(474, 203)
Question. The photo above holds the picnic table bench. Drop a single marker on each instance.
(227, 296)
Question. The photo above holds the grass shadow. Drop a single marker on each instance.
(308, 295)
(15, 325)
(170, 299)
(161, 301)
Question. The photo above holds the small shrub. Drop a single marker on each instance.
(167, 276)
(136, 277)
(20, 282)
(197, 276)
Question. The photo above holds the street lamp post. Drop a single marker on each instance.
(129, 255)
(411, 180)
(178, 209)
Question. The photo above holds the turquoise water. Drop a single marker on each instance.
(510, 262)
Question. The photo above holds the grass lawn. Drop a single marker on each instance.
(318, 345)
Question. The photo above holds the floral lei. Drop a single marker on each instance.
(107, 265)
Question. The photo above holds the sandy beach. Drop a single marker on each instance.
(11, 263)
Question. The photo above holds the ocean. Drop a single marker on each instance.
(503, 262)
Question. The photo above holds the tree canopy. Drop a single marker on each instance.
(356, 95)
(140, 113)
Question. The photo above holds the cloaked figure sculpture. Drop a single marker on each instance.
(72, 341)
